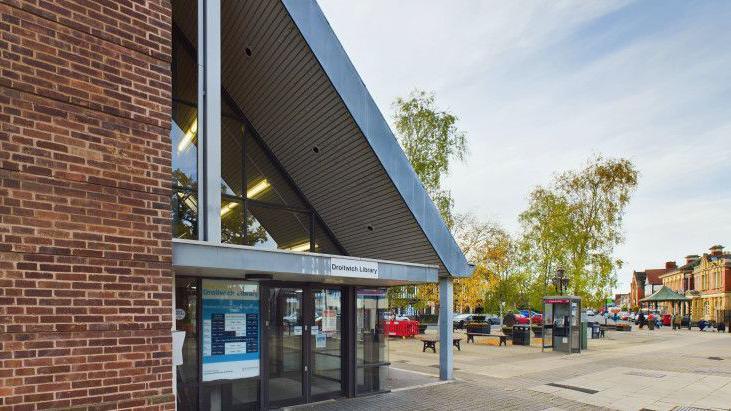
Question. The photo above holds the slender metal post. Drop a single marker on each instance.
(446, 302)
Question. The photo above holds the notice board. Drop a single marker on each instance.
(230, 337)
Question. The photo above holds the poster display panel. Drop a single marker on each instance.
(230, 311)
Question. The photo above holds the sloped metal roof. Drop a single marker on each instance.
(664, 294)
(287, 72)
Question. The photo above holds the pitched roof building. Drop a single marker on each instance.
(647, 282)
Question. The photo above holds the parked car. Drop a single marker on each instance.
(459, 321)
(493, 319)
(590, 312)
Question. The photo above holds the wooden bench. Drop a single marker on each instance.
(431, 342)
(503, 338)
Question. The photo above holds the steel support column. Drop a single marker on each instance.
(209, 57)
(446, 304)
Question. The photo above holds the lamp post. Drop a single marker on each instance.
(559, 281)
(606, 305)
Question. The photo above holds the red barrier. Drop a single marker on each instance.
(401, 328)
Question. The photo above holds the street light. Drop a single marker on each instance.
(560, 282)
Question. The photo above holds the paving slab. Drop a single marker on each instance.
(642, 369)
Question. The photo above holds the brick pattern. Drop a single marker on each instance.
(85, 236)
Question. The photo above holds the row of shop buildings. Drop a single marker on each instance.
(704, 280)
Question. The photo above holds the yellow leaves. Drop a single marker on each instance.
(469, 293)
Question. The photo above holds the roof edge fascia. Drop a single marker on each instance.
(329, 52)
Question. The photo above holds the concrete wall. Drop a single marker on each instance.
(85, 247)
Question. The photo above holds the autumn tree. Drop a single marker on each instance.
(576, 222)
(473, 237)
(431, 141)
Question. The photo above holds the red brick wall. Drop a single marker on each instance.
(85, 250)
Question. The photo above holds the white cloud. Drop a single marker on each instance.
(541, 86)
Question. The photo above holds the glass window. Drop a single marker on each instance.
(285, 344)
(186, 309)
(371, 341)
(237, 395)
(273, 227)
(326, 342)
(184, 128)
(260, 206)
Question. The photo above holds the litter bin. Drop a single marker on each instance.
(521, 334)
(595, 330)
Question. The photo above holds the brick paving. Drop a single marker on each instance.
(658, 370)
(457, 395)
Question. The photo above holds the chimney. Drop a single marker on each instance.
(690, 258)
(670, 265)
(716, 250)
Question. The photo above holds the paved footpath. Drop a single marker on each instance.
(642, 369)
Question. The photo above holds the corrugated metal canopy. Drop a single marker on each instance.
(306, 101)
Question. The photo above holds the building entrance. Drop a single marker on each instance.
(305, 343)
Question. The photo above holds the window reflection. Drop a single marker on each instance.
(279, 228)
(265, 211)
(186, 300)
(327, 342)
(184, 134)
(371, 341)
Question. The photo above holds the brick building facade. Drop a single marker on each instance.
(646, 282)
(85, 250)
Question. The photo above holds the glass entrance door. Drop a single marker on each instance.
(305, 340)
(326, 343)
(286, 346)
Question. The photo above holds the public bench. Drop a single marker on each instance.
(503, 338)
(431, 342)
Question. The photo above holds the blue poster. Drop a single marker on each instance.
(230, 343)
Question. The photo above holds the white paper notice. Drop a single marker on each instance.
(234, 348)
(235, 323)
(314, 330)
(328, 320)
(321, 340)
(297, 330)
(206, 337)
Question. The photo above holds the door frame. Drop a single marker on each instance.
(308, 320)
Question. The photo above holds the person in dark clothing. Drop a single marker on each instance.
(641, 319)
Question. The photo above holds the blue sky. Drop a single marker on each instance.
(541, 86)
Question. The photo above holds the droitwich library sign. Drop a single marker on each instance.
(345, 267)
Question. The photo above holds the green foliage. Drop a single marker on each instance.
(575, 223)
(430, 141)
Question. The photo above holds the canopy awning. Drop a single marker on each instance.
(664, 294)
(299, 90)
(204, 259)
